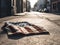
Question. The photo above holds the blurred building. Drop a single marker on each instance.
(48, 5)
(28, 6)
(5, 8)
(24, 5)
(40, 4)
(11, 7)
(17, 6)
(20, 6)
(55, 6)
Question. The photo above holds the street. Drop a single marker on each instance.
(50, 22)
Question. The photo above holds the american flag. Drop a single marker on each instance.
(33, 29)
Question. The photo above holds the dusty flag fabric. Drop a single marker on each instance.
(23, 28)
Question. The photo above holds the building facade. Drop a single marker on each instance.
(11, 7)
(18, 6)
(40, 5)
(55, 6)
(5, 8)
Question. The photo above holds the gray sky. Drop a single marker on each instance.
(32, 2)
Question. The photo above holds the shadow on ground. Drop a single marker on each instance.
(20, 35)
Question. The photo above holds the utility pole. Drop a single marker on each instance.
(0, 8)
(46, 3)
(21, 5)
(26, 5)
(50, 5)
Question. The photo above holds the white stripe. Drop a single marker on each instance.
(33, 29)
(24, 30)
(19, 30)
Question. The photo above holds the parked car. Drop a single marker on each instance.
(43, 10)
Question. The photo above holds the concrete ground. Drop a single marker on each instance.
(50, 22)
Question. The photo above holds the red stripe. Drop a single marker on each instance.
(28, 29)
(37, 28)
(21, 30)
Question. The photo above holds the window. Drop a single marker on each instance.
(54, 6)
